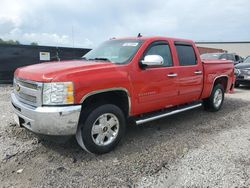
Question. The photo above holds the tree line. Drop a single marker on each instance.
(15, 42)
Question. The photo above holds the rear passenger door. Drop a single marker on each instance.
(190, 78)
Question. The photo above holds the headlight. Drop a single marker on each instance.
(236, 71)
(58, 93)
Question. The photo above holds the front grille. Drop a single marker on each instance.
(28, 92)
(27, 97)
(28, 85)
(244, 72)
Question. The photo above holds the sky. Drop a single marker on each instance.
(86, 23)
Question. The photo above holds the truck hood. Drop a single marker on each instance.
(46, 72)
(243, 66)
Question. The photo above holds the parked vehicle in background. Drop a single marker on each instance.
(139, 78)
(226, 56)
(242, 72)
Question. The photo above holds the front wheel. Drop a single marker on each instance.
(215, 101)
(102, 130)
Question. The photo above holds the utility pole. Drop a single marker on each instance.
(73, 42)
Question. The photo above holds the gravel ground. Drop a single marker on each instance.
(191, 149)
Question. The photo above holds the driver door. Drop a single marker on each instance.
(157, 86)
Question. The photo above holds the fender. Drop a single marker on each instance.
(216, 79)
(107, 90)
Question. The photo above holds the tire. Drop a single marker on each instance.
(101, 129)
(215, 101)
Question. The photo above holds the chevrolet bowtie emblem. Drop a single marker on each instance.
(17, 87)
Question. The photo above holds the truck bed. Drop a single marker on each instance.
(214, 69)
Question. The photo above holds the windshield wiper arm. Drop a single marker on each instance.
(100, 58)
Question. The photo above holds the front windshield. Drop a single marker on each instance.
(116, 51)
(213, 56)
(247, 60)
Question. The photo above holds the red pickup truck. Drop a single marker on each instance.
(139, 78)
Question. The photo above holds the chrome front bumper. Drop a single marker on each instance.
(47, 120)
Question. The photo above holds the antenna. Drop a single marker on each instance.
(139, 35)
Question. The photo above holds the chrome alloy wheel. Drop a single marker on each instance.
(105, 129)
(218, 96)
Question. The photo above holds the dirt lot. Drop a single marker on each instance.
(195, 148)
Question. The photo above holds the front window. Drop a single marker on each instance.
(161, 48)
(247, 60)
(116, 51)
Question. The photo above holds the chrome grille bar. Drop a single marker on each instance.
(28, 92)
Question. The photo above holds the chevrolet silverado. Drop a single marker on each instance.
(138, 78)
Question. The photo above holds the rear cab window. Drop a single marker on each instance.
(186, 54)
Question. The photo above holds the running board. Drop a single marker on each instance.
(169, 113)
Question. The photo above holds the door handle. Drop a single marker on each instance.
(198, 72)
(172, 75)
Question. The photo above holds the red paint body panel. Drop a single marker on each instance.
(214, 69)
(149, 89)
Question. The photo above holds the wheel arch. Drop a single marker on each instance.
(223, 80)
(110, 95)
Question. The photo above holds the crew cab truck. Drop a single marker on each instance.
(138, 78)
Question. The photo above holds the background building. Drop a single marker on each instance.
(15, 56)
(240, 48)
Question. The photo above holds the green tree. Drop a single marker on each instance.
(16, 42)
(34, 44)
(1, 41)
(12, 42)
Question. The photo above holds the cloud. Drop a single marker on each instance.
(7, 25)
(85, 23)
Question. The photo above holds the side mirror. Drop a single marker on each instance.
(152, 60)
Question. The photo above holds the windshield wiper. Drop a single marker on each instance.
(100, 58)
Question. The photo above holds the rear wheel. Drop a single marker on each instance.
(102, 129)
(215, 101)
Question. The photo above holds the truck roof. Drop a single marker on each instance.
(154, 38)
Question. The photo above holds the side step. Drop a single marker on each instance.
(153, 117)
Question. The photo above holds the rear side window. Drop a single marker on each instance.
(186, 55)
